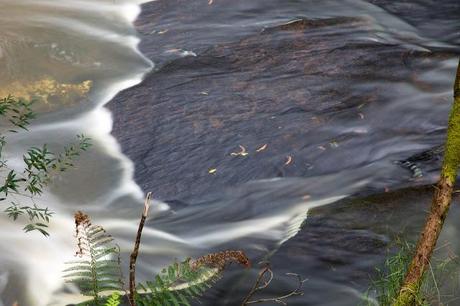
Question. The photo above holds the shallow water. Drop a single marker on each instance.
(335, 90)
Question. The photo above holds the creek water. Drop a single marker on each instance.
(324, 96)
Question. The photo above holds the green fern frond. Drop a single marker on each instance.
(184, 281)
(98, 268)
(113, 300)
(177, 285)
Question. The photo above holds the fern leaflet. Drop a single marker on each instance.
(98, 267)
(183, 281)
(113, 300)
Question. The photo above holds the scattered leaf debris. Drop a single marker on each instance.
(241, 153)
(262, 148)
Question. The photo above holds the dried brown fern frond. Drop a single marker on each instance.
(220, 260)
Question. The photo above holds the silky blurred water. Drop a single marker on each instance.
(336, 90)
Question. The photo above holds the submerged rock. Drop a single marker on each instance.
(48, 91)
(415, 162)
(307, 88)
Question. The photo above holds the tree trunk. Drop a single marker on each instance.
(439, 207)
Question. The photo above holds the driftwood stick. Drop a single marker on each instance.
(264, 279)
(135, 252)
(256, 285)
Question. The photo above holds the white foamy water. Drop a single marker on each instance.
(75, 41)
(72, 42)
(67, 42)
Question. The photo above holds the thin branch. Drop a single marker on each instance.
(256, 285)
(133, 257)
(278, 299)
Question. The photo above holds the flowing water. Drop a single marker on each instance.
(324, 96)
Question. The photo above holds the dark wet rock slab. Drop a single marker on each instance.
(278, 87)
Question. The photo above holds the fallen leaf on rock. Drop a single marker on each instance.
(334, 144)
(241, 153)
(361, 115)
(262, 148)
(322, 148)
(212, 171)
(289, 160)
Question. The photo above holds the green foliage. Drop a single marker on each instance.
(441, 282)
(98, 268)
(97, 272)
(388, 281)
(177, 285)
(113, 300)
(38, 217)
(17, 111)
(40, 166)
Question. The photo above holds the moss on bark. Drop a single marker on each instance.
(439, 208)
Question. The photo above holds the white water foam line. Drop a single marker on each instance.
(126, 10)
(45, 263)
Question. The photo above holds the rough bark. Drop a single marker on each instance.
(135, 252)
(439, 207)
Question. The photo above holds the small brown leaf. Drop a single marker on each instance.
(262, 148)
(241, 153)
(289, 160)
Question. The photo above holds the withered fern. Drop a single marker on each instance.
(98, 267)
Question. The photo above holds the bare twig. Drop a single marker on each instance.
(135, 252)
(263, 280)
(256, 284)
